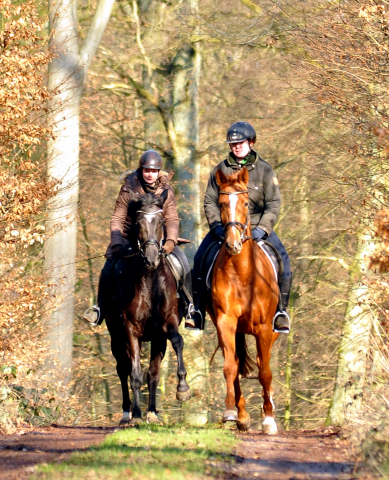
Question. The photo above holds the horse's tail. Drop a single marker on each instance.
(246, 363)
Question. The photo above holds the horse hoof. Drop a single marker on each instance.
(230, 416)
(125, 420)
(183, 396)
(269, 426)
(136, 421)
(243, 425)
(152, 417)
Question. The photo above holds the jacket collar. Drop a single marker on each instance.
(251, 158)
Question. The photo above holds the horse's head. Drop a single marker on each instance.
(149, 228)
(234, 208)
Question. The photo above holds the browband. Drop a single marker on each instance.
(149, 213)
(233, 193)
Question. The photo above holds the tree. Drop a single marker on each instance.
(67, 73)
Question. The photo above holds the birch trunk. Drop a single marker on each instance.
(347, 399)
(66, 77)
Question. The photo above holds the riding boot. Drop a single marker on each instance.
(281, 320)
(196, 315)
(95, 314)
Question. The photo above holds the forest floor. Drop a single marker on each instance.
(293, 455)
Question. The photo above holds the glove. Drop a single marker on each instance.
(219, 232)
(169, 246)
(258, 234)
(115, 252)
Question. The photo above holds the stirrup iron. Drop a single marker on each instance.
(278, 314)
(89, 312)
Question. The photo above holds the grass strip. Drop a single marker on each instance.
(151, 452)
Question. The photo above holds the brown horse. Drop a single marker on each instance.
(145, 309)
(245, 296)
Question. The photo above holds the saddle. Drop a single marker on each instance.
(178, 270)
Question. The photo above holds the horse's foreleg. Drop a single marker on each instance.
(183, 391)
(226, 333)
(264, 344)
(135, 377)
(158, 349)
(123, 370)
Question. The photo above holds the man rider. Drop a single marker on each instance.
(148, 178)
(264, 208)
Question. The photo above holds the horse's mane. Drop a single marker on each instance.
(149, 199)
(232, 180)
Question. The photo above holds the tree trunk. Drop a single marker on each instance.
(67, 72)
(347, 400)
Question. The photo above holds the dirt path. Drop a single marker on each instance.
(293, 455)
(20, 452)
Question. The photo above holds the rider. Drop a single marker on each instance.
(148, 178)
(265, 203)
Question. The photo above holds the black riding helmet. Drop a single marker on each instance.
(239, 132)
(150, 159)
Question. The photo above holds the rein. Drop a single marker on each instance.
(242, 226)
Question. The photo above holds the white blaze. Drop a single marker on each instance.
(233, 202)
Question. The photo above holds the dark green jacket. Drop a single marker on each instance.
(264, 193)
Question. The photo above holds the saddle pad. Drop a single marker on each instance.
(268, 250)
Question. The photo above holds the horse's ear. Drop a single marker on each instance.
(243, 176)
(220, 177)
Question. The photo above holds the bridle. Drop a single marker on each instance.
(242, 227)
(150, 241)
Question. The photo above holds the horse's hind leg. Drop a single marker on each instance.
(264, 345)
(183, 391)
(243, 422)
(158, 349)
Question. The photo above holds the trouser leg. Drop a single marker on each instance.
(185, 292)
(281, 319)
(197, 317)
(96, 314)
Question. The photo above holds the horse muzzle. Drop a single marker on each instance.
(235, 248)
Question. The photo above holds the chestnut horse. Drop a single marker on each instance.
(145, 308)
(245, 297)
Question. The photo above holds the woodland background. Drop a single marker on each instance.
(312, 78)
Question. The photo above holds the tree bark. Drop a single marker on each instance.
(347, 399)
(67, 72)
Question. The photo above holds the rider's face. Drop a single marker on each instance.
(150, 175)
(241, 149)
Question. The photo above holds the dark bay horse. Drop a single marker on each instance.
(244, 300)
(145, 309)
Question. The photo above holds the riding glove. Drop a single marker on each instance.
(258, 234)
(219, 231)
(169, 246)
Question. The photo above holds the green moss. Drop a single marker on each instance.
(149, 452)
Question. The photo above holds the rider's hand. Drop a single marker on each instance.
(219, 232)
(116, 250)
(258, 234)
(169, 246)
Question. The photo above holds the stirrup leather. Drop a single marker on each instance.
(279, 313)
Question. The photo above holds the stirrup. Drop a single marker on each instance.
(89, 314)
(284, 314)
(190, 322)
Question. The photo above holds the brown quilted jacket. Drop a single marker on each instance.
(131, 191)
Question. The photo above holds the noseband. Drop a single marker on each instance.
(241, 226)
(150, 241)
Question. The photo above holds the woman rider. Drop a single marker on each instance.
(265, 203)
(148, 178)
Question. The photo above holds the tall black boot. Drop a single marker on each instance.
(281, 320)
(195, 320)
